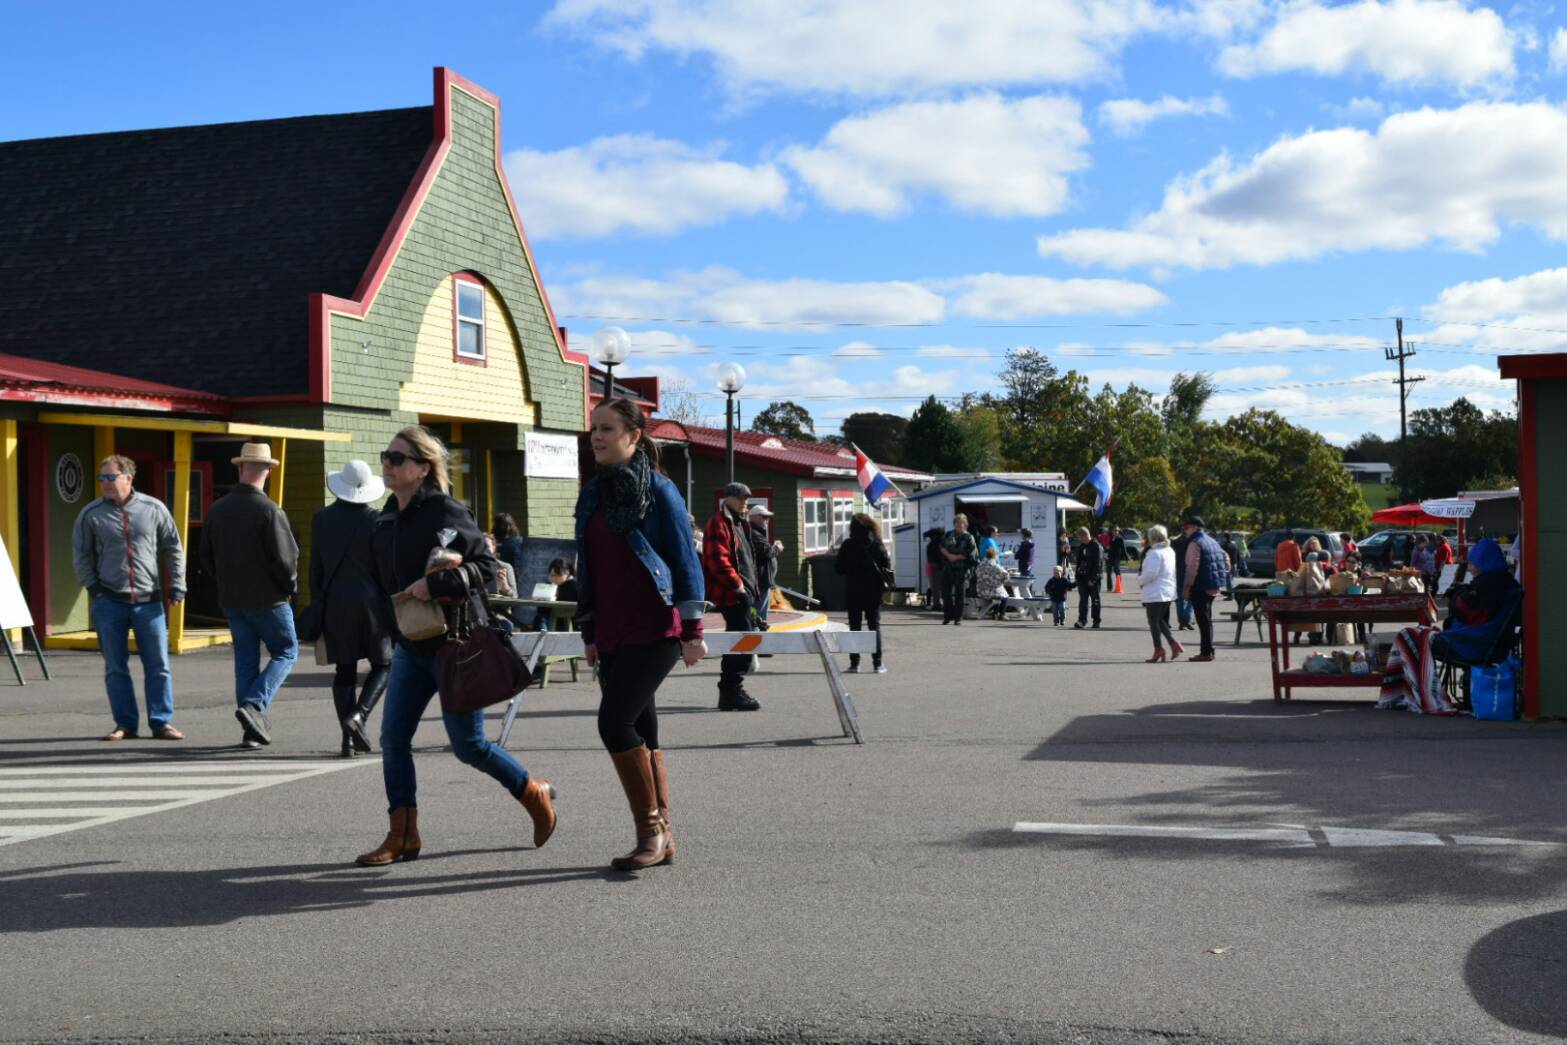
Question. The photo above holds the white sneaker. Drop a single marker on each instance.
(881, 669)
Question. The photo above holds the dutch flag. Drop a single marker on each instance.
(875, 485)
(1100, 478)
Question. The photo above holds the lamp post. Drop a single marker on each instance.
(611, 346)
(731, 378)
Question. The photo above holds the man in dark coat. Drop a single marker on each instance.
(1207, 572)
(1115, 556)
(247, 545)
(765, 552)
(1089, 562)
(1183, 606)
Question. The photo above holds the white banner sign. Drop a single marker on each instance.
(13, 608)
(1449, 508)
(550, 456)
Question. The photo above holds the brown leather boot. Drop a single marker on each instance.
(402, 840)
(538, 798)
(636, 779)
(661, 790)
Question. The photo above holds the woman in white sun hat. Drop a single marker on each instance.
(355, 613)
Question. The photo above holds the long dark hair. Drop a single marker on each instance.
(866, 524)
(504, 526)
(634, 420)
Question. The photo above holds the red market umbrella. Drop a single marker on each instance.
(1406, 515)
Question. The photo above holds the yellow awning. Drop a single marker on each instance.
(182, 424)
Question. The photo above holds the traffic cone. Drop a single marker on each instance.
(1118, 589)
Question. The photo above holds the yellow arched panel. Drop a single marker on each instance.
(444, 386)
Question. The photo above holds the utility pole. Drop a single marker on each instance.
(1403, 384)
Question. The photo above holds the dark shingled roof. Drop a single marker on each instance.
(188, 255)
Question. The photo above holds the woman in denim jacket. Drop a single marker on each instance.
(639, 607)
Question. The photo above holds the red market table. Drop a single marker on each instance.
(1335, 609)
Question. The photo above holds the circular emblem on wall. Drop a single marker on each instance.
(69, 478)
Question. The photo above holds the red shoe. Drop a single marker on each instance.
(1176, 649)
(1158, 655)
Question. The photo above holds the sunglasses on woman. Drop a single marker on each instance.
(396, 458)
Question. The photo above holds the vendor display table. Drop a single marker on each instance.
(1335, 609)
(1248, 594)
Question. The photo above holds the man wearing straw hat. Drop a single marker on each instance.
(250, 549)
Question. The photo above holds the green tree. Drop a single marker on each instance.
(1452, 448)
(786, 420)
(980, 427)
(1258, 470)
(879, 435)
(1148, 492)
(1371, 448)
(936, 442)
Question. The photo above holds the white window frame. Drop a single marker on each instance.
(814, 530)
(461, 320)
(893, 513)
(840, 519)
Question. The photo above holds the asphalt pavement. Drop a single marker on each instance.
(1197, 864)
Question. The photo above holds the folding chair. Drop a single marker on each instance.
(1502, 645)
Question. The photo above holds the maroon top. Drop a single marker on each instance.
(627, 609)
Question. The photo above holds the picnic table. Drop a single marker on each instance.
(1248, 593)
(562, 618)
(1335, 609)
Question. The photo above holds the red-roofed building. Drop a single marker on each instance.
(811, 487)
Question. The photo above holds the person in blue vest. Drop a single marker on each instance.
(1206, 574)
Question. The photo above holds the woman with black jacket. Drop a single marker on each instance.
(420, 518)
(355, 612)
(864, 565)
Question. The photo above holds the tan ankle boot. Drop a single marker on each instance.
(636, 779)
(402, 840)
(538, 798)
(661, 791)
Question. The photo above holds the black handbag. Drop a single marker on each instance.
(478, 666)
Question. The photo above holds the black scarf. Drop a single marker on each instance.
(627, 492)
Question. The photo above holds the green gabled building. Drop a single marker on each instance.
(319, 281)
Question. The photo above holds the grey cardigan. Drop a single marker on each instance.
(116, 551)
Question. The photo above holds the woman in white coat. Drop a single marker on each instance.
(1157, 580)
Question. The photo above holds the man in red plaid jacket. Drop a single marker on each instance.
(729, 570)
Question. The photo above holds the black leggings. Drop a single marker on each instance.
(870, 611)
(628, 681)
(952, 594)
(1159, 622)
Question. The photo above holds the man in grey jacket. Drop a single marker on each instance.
(122, 546)
(248, 547)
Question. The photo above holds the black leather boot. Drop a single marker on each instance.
(369, 697)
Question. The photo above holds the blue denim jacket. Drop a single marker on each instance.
(663, 543)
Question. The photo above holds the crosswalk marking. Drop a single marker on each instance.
(38, 801)
(1292, 836)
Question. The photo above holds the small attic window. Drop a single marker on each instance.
(468, 318)
(772, 443)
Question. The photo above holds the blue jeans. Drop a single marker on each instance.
(251, 628)
(115, 621)
(1183, 611)
(407, 695)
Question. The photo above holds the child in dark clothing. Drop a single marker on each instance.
(1025, 554)
(1056, 588)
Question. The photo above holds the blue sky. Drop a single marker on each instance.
(865, 203)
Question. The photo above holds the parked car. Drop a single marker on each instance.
(1390, 548)
(1134, 543)
(1260, 557)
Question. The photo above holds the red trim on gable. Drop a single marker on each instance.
(458, 357)
(1552, 364)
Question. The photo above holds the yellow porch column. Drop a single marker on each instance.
(182, 459)
(275, 481)
(102, 446)
(10, 501)
(489, 489)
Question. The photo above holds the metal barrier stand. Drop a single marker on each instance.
(534, 645)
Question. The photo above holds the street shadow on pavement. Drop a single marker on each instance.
(46, 899)
(1518, 973)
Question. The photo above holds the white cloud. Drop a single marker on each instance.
(984, 154)
(1485, 300)
(1284, 339)
(1559, 51)
(1127, 116)
(1250, 375)
(728, 298)
(1405, 42)
(639, 184)
(858, 349)
(949, 352)
(725, 297)
(645, 344)
(995, 296)
(875, 47)
(1452, 177)
(1360, 108)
